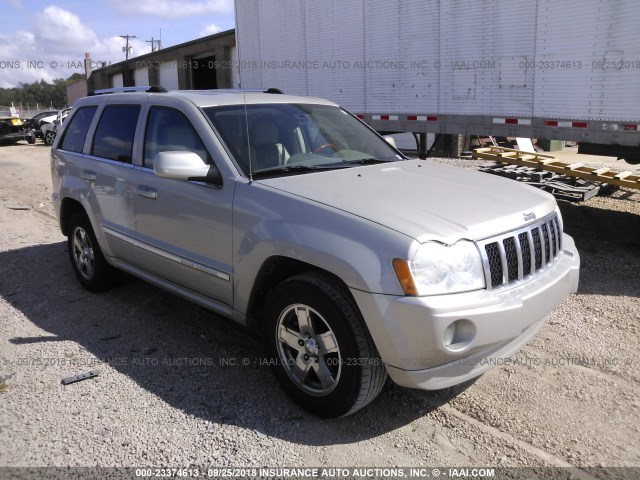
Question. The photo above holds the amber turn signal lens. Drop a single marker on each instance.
(403, 273)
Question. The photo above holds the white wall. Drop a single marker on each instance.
(235, 74)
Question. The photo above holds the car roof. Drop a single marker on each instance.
(211, 98)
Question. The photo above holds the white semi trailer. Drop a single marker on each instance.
(564, 70)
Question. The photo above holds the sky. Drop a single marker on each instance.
(45, 40)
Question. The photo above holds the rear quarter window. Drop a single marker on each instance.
(76, 132)
(115, 132)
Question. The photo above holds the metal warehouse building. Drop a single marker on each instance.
(200, 64)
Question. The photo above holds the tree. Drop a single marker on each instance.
(40, 92)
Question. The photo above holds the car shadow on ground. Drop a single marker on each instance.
(24, 143)
(192, 359)
(609, 245)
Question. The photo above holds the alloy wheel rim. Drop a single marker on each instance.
(308, 350)
(83, 253)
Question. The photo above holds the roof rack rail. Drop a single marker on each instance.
(245, 90)
(145, 88)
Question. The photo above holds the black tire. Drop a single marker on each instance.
(89, 265)
(335, 383)
(32, 139)
(49, 137)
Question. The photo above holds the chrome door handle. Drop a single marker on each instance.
(88, 175)
(147, 192)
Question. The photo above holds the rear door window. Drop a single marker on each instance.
(115, 132)
(76, 132)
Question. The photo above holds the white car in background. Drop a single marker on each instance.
(50, 129)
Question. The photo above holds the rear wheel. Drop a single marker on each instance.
(320, 351)
(89, 265)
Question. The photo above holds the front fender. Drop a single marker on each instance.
(270, 223)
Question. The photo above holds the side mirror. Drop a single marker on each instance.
(390, 140)
(56, 122)
(185, 166)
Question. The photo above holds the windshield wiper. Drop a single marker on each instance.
(368, 161)
(328, 166)
(299, 168)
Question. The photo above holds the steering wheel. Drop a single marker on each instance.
(323, 146)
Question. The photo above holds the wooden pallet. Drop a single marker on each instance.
(561, 186)
(550, 163)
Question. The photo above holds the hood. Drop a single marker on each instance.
(424, 200)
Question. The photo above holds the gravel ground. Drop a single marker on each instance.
(184, 387)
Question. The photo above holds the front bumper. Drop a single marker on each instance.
(409, 331)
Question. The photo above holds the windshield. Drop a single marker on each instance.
(295, 137)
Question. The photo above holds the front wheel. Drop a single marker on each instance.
(319, 348)
(49, 137)
(89, 265)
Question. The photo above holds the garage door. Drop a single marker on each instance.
(141, 77)
(116, 80)
(169, 75)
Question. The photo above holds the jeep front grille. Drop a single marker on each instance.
(517, 255)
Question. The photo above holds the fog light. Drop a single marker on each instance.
(458, 335)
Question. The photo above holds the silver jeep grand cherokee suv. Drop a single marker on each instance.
(292, 217)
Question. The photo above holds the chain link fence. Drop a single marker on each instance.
(28, 112)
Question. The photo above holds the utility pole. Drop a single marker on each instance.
(127, 48)
(155, 44)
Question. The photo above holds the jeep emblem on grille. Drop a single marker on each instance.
(529, 216)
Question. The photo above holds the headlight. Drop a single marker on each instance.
(438, 268)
